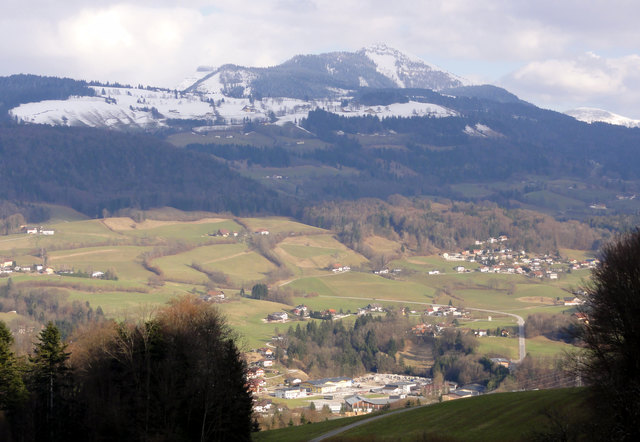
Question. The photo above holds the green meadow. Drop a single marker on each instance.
(495, 417)
(119, 244)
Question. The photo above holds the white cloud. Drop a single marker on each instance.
(161, 41)
(588, 80)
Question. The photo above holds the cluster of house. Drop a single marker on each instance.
(342, 394)
(38, 231)
(480, 333)
(313, 387)
(386, 271)
(255, 372)
(444, 310)
(225, 233)
(338, 268)
(371, 308)
(301, 311)
(505, 260)
(8, 266)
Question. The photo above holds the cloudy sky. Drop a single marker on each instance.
(557, 54)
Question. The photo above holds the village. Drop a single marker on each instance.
(503, 260)
(343, 395)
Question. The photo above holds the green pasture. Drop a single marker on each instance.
(304, 432)
(34, 280)
(124, 260)
(502, 416)
(552, 200)
(496, 346)
(579, 255)
(190, 232)
(294, 403)
(485, 324)
(80, 230)
(243, 269)
(306, 252)
(545, 309)
(8, 318)
(541, 346)
(59, 214)
(364, 285)
(120, 305)
(246, 317)
(280, 225)
(178, 267)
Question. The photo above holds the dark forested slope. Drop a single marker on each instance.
(91, 170)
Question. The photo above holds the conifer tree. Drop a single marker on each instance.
(12, 390)
(49, 383)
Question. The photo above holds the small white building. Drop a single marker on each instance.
(290, 393)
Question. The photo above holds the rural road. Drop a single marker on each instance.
(521, 340)
(356, 424)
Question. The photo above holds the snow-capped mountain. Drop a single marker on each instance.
(409, 71)
(234, 94)
(592, 115)
(326, 75)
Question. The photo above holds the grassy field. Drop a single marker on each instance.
(304, 433)
(118, 244)
(503, 417)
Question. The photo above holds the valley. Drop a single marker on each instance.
(166, 254)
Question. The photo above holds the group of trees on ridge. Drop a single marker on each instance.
(424, 226)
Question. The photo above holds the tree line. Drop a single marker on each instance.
(175, 376)
(95, 170)
(424, 226)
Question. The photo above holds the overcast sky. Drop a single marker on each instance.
(557, 54)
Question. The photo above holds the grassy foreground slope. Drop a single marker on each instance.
(503, 417)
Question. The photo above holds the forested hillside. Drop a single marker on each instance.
(17, 89)
(91, 170)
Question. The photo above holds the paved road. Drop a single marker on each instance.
(356, 424)
(521, 340)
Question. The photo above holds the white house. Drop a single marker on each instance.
(290, 393)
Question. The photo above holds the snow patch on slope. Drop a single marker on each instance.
(116, 107)
(591, 115)
(408, 71)
(481, 130)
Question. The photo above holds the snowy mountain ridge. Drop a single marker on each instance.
(375, 66)
(232, 94)
(409, 71)
(593, 115)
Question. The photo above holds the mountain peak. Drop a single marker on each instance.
(409, 71)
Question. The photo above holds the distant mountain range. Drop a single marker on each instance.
(372, 123)
(232, 95)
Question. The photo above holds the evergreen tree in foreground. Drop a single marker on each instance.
(12, 390)
(50, 385)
